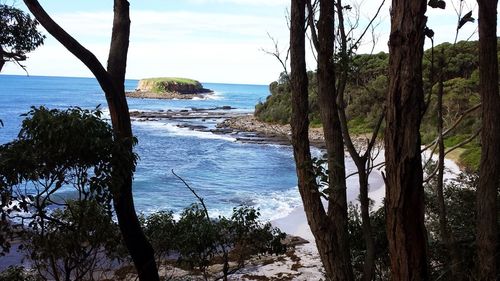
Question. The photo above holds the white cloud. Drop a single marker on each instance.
(208, 46)
(247, 2)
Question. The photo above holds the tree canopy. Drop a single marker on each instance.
(19, 35)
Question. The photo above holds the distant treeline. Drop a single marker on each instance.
(368, 83)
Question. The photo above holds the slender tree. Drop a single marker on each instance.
(327, 95)
(112, 83)
(328, 227)
(489, 179)
(404, 203)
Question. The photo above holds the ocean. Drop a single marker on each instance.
(225, 172)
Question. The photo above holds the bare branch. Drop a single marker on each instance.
(277, 54)
(368, 26)
(312, 25)
(195, 194)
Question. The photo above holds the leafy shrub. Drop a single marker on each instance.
(55, 182)
(18, 273)
(200, 241)
(77, 241)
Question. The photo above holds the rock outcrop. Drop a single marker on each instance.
(169, 88)
(169, 85)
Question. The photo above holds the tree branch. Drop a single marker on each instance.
(195, 194)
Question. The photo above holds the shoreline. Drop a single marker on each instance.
(248, 123)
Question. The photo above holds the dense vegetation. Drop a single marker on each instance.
(56, 202)
(367, 86)
(19, 35)
(169, 84)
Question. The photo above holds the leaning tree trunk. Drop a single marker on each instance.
(112, 83)
(404, 203)
(322, 226)
(487, 212)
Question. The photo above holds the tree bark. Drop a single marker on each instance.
(327, 96)
(322, 226)
(112, 83)
(2, 59)
(359, 160)
(487, 212)
(404, 203)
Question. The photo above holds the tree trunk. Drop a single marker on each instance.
(327, 95)
(487, 212)
(447, 238)
(321, 225)
(112, 83)
(404, 201)
(369, 265)
(360, 161)
(2, 59)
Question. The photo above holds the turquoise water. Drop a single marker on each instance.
(225, 172)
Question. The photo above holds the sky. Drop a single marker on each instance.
(207, 40)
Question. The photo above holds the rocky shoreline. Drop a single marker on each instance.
(243, 127)
(248, 123)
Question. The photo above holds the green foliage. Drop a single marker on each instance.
(60, 148)
(278, 109)
(172, 80)
(460, 201)
(471, 158)
(364, 97)
(201, 242)
(18, 34)
(77, 240)
(18, 273)
(163, 84)
(367, 85)
(56, 179)
(357, 242)
(160, 228)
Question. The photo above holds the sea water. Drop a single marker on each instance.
(225, 172)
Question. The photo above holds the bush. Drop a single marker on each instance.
(78, 241)
(200, 242)
(56, 181)
(18, 273)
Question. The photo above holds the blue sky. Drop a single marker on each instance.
(208, 40)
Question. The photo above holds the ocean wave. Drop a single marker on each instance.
(169, 129)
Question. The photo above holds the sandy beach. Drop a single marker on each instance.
(295, 223)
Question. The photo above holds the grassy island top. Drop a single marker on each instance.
(178, 80)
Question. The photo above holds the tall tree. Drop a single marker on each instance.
(489, 179)
(112, 83)
(18, 35)
(404, 203)
(327, 95)
(328, 227)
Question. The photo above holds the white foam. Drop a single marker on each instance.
(279, 204)
(215, 96)
(161, 128)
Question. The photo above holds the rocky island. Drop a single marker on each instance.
(169, 88)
